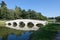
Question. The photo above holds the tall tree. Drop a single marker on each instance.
(17, 12)
(41, 17)
(57, 18)
(24, 14)
(3, 13)
(0, 13)
(32, 14)
(10, 15)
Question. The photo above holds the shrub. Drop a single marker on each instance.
(45, 33)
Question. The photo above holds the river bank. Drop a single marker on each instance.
(46, 33)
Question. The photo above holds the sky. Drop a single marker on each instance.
(49, 8)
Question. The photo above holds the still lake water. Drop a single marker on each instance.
(24, 36)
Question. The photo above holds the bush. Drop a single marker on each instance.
(45, 33)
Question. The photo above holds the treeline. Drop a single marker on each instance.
(18, 13)
(56, 18)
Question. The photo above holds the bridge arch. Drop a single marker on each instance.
(30, 24)
(21, 24)
(14, 24)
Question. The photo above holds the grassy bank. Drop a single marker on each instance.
(45, 33)
(2, 23)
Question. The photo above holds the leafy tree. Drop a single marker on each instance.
(3, 8)
(25, 14)
(17, 12)
(10, 14)
(32, 14)
(58, 18)
(0, 13)
(41, 17)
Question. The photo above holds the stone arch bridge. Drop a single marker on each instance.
(16, 24)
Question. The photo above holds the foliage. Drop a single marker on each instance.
(58, 19)
(46, 33)
(3, 11)
(18, 13)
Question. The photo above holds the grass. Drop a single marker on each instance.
(46, 33)
(4, 31)
(2, 23)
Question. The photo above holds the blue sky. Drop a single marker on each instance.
(49, 8)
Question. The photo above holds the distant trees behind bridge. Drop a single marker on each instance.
(18, 13)
(55, 18)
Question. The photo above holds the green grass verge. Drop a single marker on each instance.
(46, 33)
(2, 23)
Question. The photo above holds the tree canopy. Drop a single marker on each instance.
(18, 13)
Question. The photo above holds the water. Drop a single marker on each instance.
(0, 38)
(24, 36)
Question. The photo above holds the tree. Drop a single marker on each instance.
(32, 14)
(17, 12)
(3, 4)
(41, 17)
(10, 15)
(3, 8)
(57, 18)
(24, 14)
(0, 14)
